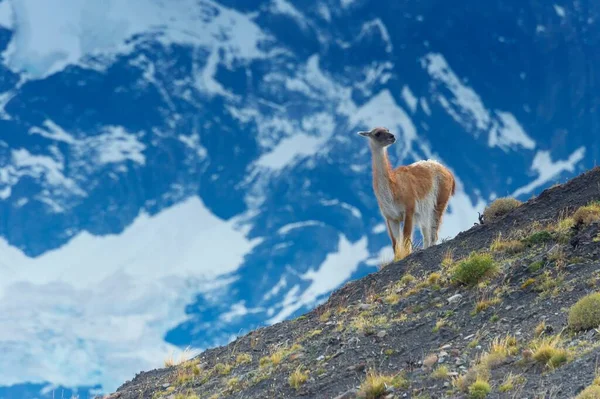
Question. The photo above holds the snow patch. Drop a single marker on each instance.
(547, 169)
(467, 108)
(355, 212)
(286, 8)
(560, 11)
(53, 132)
(116, 145)
(44, 168)
(377, 24)
(291, 226)
(507, 132)
(6, 15)
(137, 283)
(425, 106)
(42, 46)
(380, 228)
(193, 142)
(409, 98)
(466, 103)
(290, 149)
(333, 272)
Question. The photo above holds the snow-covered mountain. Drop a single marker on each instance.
(178, 173)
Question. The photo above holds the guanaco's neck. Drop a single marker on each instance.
(382, 169)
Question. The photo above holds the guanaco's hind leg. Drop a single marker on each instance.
(391, 228)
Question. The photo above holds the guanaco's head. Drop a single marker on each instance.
(379, 136)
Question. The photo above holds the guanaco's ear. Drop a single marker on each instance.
(366, 134)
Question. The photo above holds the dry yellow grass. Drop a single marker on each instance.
(374, 385)
(499, 208)
(184, 356)
(549, 351)
(588, 213)
(483, 304)
(297, 378)
(507, 246)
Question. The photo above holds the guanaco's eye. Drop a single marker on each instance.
(377, 134)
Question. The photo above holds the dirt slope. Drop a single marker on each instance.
(420, 322)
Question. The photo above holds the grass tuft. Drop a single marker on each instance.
(475, 268)
(591, 392)
(587, 214)
(479, 389)
(374, 386)
(442, 372)
(549, 351)
(510, 247)
(585, 314)
(483, 304)
(243, 358)
(499, 208)
(297, 378)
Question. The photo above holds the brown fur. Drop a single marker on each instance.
(408, 184)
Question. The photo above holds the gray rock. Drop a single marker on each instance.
(381, 334)
(455, 298)
(351, 394)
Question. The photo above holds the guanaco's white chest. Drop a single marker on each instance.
(388, 206)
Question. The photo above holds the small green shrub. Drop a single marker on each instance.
(474, 269)
(539, 237)
(535, 266)
(585, 314)
(500, 207)
(479, 389)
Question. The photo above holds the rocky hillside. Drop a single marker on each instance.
(505, 309)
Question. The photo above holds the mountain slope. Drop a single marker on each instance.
(546, 251)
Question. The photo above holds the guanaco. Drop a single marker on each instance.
(410, 194)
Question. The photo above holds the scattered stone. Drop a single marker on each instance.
(455, 298)
(447, 346)
(351, 394)
(357, 367)
(321, 357)
(455, 352)
(430, 360)
(590, 334)
(381, 334)
(443, 354)
(166, 385)
(468, 337)
(508, 307)
(364, 306)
